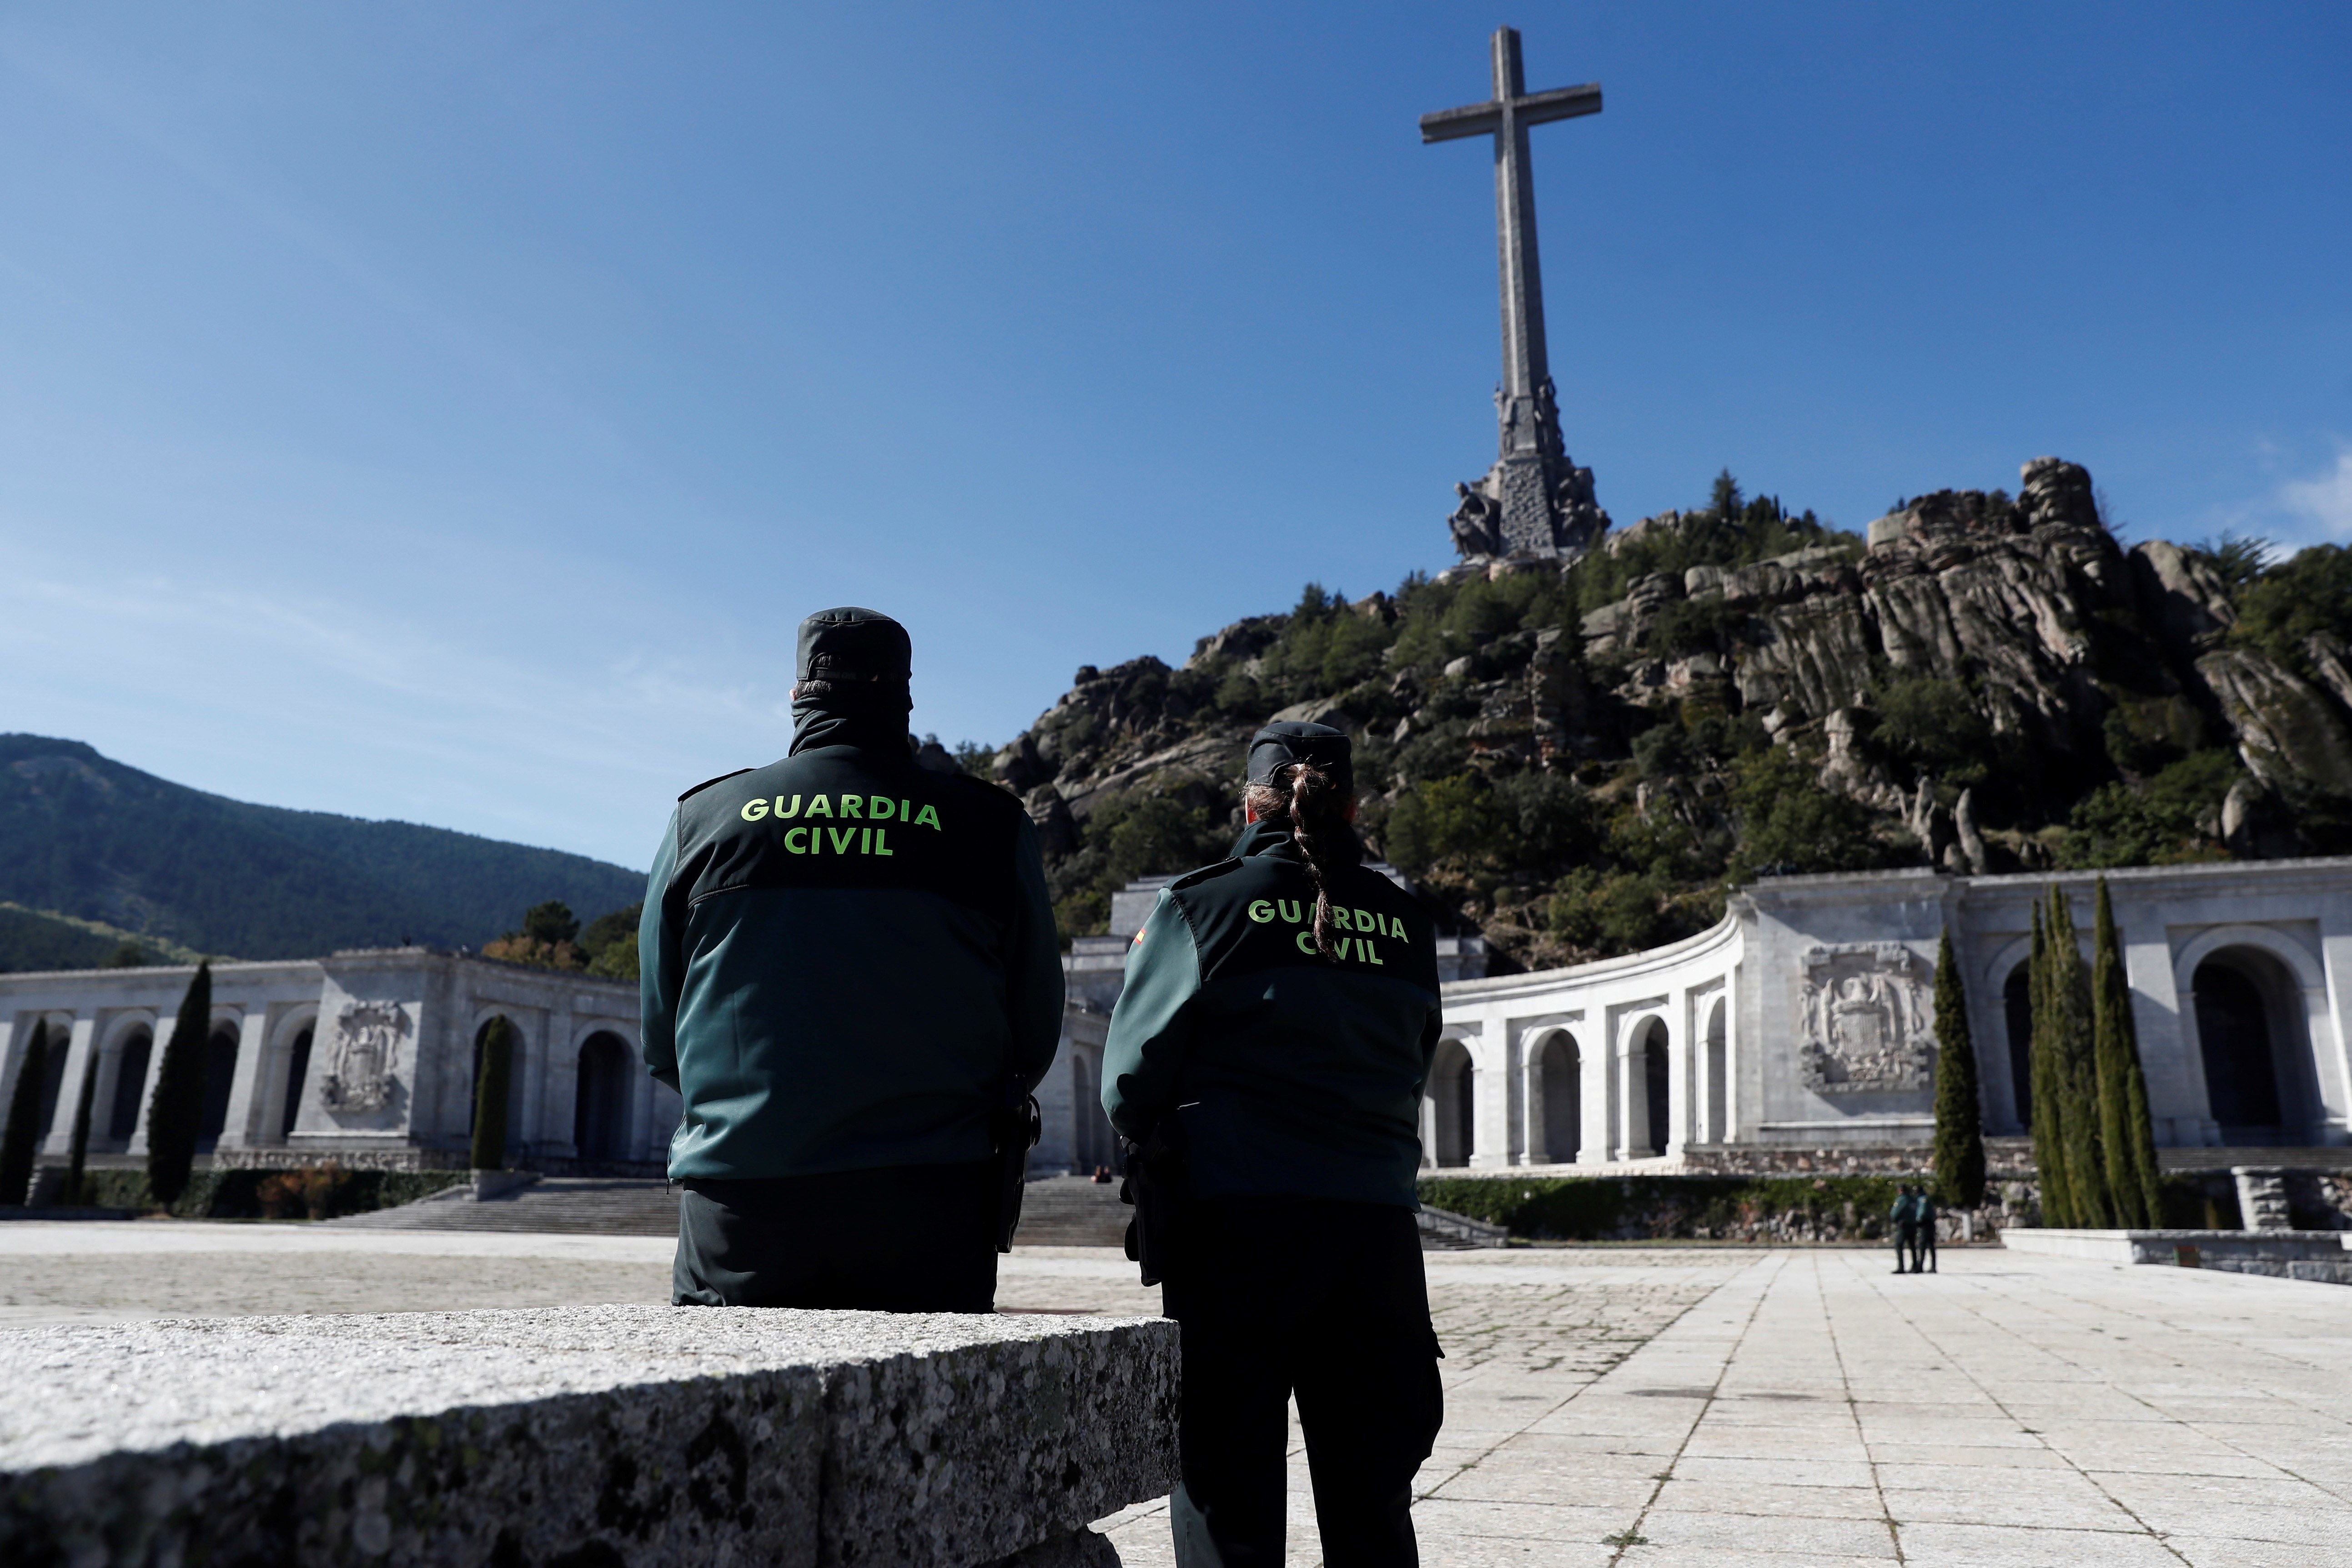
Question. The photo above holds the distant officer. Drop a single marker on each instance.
(1268, 1052)
(1905, 1225)
(850, 972)
(1922, 1228)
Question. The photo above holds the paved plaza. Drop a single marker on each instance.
(1646, 1406)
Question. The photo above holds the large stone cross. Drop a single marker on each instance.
(1535, 501)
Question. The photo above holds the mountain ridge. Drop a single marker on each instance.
(85, 836)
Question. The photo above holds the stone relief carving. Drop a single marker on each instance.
(367, 1044)
(1865, 1022)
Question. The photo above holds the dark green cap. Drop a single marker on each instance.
(1278, 746)
(851, 644)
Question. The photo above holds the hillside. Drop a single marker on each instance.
(87, 837)
(1582, 761)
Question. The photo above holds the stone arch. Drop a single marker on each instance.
(1452, 1105)
(292, 1039)
(1091, 1139)
(53, 1071)
(2017, 1018)
(220, 1077)
(1657, 1086)
(2253, 1001)
(133, 1043)
(1560, 1096)
(1716, 1126)
(602, 1103)
(482, 1020)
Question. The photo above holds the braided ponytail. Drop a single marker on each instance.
(1302, 798)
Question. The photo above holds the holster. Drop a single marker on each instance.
(1012, 1131)
(1158, 1187)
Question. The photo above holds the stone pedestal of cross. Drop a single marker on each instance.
(1534, 501)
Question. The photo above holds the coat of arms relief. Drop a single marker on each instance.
(1866, 1026)
(367, 1045)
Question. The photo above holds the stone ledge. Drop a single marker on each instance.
(579, 1437)
(2321, 1256)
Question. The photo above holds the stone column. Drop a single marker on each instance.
(250, 1083)
(1536, 1150)
(1632, 1095)
(81, 1041)
(1596, 1101)
(1490, 1102)
(166, 1026)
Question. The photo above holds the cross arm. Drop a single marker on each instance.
(1470, 119)
(1559, 103)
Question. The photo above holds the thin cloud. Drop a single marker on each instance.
(2323, 504)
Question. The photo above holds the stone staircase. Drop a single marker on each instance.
(1072, 1211)
(589, 1206)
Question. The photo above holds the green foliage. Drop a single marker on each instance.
(2311, 592)
(127, 955)
(33, 941)
(1658, 1208)
(2237, 559)
(550, 922)
(489, 1146)
(2061, 1034)
(21, 1139)
(1326, 646)
(1935, 728)
(976, 759)
(1132, 833)
(1519, 819)
(92, 840)
(1729, 532)
(1960, 1156)
(2161, 821)
(1790, 823)
(2127, 1137)
(2048, 1096)
(610, 943)
(236, 1195)
(176, 1108)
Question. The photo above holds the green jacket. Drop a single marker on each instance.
(1289, 1074)
(846, 960)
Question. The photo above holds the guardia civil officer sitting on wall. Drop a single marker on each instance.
(1268, 1053)
(850, 975)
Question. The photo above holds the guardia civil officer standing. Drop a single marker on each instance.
(849, 973)
(1268, 1052)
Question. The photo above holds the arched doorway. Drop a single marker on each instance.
(1655, 1087)
(130, 1084)
(2017, 1012)
(1716, 1126)
(600, 1110)
(298, 1074)
(2250, 1033)
(1451, 1105)
(220, 1077)
(1560, 1069)
(53, 1075)
(514, 1081)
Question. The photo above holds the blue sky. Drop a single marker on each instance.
(447, 412)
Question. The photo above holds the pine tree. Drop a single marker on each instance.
(22, 1138)
(2049, 1095)
(491, 1096)
(2069, 1008)
(176, 1109)
(78, 1152)
(2128, 1136)
(1959, 1118)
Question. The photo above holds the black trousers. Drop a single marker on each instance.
(1923, 1245)
(1906, 1242)
(903, 1238)
(1327, 1300)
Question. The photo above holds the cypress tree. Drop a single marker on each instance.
(2049, 1094)
(22, 1135)
(1959, 1118)
(2125, 1130)
(176, 1109)
(2070, 1007)
(491, 1096)
(77, 1153)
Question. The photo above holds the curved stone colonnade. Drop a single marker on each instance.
(1805, 1022)
(367, 1058)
